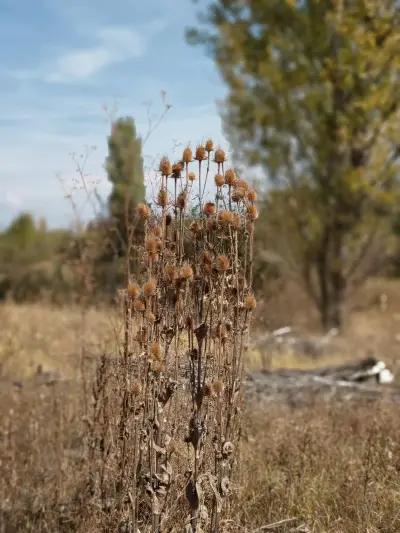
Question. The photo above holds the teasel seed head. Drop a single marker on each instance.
(230, 177)
(219, 156)
(209, 145)
(149, 288)
(133, 290)
(150, 317)
(252, 195)
(200, 153)
(191, 176)
(196, 227)
(242, 184)
(168, 219)
(162, 198)
(155, 351)
(186, 272)
(209, 209)
(181, 201)
(252, 212)
(218, 387)
(136, 388)
(171, 273)
(238, 194)
(225, 217)
(151, 244)
(165, 167)
(177, 170)
(157, 367)
(219, 180)
(139, 305)
(250, 303)
(222, 263)
(187, 155)
(143, 211)
(212, 224)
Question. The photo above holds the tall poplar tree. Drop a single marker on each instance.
(313, 98)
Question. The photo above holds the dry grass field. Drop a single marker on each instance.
(326, 468)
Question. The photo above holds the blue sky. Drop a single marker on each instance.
(67, 66)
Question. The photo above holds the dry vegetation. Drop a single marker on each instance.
(114, 420)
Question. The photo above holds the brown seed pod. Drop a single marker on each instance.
(187, 155)
(143, 211)
(165, 166)
(206, 258)
(219, 156)
(196, 227)
(250, 303)
(209, 209)
(168, 219)
(222, 263)
(191, 176)
(225, 217)
(155, 351)
(230, 177)
(177, 169)
(220, 332)
(200, 153)
(242, 184)
(157, 367)
(150, 317)
(136, 388)
(171, 273)
(209, 145)
(162, 198)
(149, 288)
(218, 387)
(133, 290)
(252, 212)
(186, 272)
(139, 305)
(212, 224)
(238, 194)
(252, 195)
(219, 180)
(181, 201)
(151, 244)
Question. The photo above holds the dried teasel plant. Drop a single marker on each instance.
(166, 408)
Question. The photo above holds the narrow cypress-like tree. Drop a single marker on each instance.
(125, 171)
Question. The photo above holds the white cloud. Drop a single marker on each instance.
(115, 44)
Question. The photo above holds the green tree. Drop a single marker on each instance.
(313, 99)
(125, 171)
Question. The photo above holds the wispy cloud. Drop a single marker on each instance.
(115, 45)
(112, 45)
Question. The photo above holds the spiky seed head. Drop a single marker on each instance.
(236, 221)
(165, 166)
(162, 198)
(149, 288)
(171, 273)
(209, 145)
(209, 209)
(187, 155)
(250, 303)
(139, 305)
(177, 169)
(219, 155)
(189, 323)
(230, 177)
(252, 195)
(196, 227)
(150, 317)
(220, 332)
(206, 258)
(157, 230)
(207, 389)
(157, 367)
(181, 201)
(151, 244)
(191, 176)
(200, 153)
(133, 290)
(136, 388)
(242, 184)
(252, 212)
(186, 272)
(168, 219)
(218, 387)
(238, 194)
(222, 263)
(225, 217)
(155, 351)
(143, 211)
(219, 180)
